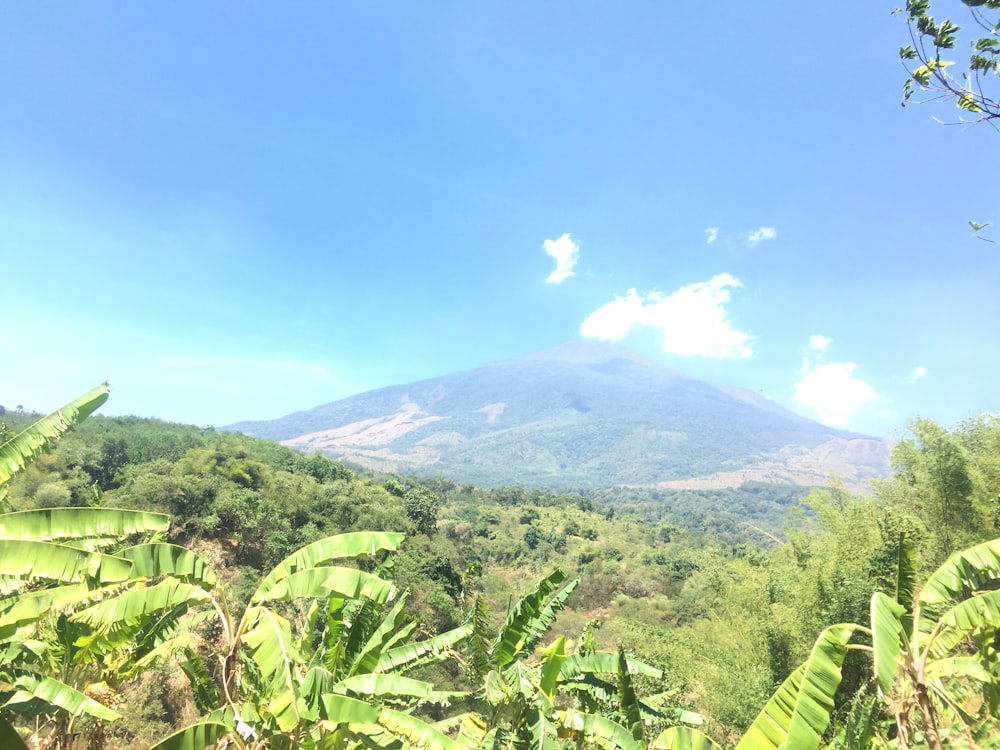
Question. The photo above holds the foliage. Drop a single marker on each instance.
(673, 578)
(19, 450)
(973, 88)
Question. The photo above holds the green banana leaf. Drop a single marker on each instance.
(31, 690)
(958, 666)
(89, 528)
(138, 602)
(552, 662)
(603, 662)
(205, 691)
(57, 562)
(200, 736)
(159, 558)
(341, 546)
(273, 652)
(887, 631)
(530, 618)
(906, 580)
(394, 687)
(798, 713)
(324, 582)
(471, 730)
(980, 611)
(408, 655)
(415, 731)
(23, 609)
(340, 709)
(682, 738)
(965, 571)
(628, 702)
(597, 729)
(20, 450)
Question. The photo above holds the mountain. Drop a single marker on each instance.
(580, 414)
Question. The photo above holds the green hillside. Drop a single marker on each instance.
(579, 415)
(724, 592)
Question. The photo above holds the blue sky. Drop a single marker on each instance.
(239, 210)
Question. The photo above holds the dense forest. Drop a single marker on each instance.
(195, 587)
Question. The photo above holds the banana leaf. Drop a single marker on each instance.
(682, 738)
(138, 602)
(530, 618)
(24, 609)
(395, 627)
(603, 662)
(416, 731)
(87, 528)
(552, 663)
(273, 652)
(887, 630)
(324, 582)
(628, 702)
(906, 580)
(158, 559)
(958, 666)
(20, 450)
(200, 736)
(393, 686)
(57, 562)
(340, 709)
(205, 691)
(409, 655)
(966, 617)
(798, 713)
(597, 729)
(471, 730)
(341, 546)
(36, 694)
(966, 571)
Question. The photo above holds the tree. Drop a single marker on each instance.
(934, 663)
(422, 507)
(975, 88)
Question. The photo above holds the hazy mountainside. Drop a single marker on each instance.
(576, 415)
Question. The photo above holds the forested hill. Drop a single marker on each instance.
(578, 415)
(676, 585)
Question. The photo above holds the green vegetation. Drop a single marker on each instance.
(972, 84)
(169, 586)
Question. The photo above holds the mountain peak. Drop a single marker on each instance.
(589, 352)
(581, 413)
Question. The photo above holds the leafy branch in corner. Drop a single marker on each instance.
(974, 88)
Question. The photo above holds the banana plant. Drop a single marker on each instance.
(21, 449)
(583, 696)
(51, 563)
(936, 655)
(797, 714)
(285, 677)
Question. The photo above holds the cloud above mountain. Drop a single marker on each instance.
(566, 253)
(831, 390)
(691, 322)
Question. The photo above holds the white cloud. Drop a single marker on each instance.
(692, 320)
(918, 372)
(711, 235)
(833, 391)
(819, 342)
(761, 233)
(566, 253)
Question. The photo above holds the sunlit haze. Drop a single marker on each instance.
(234, 211)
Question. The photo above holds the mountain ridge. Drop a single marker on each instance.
(579, 414)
